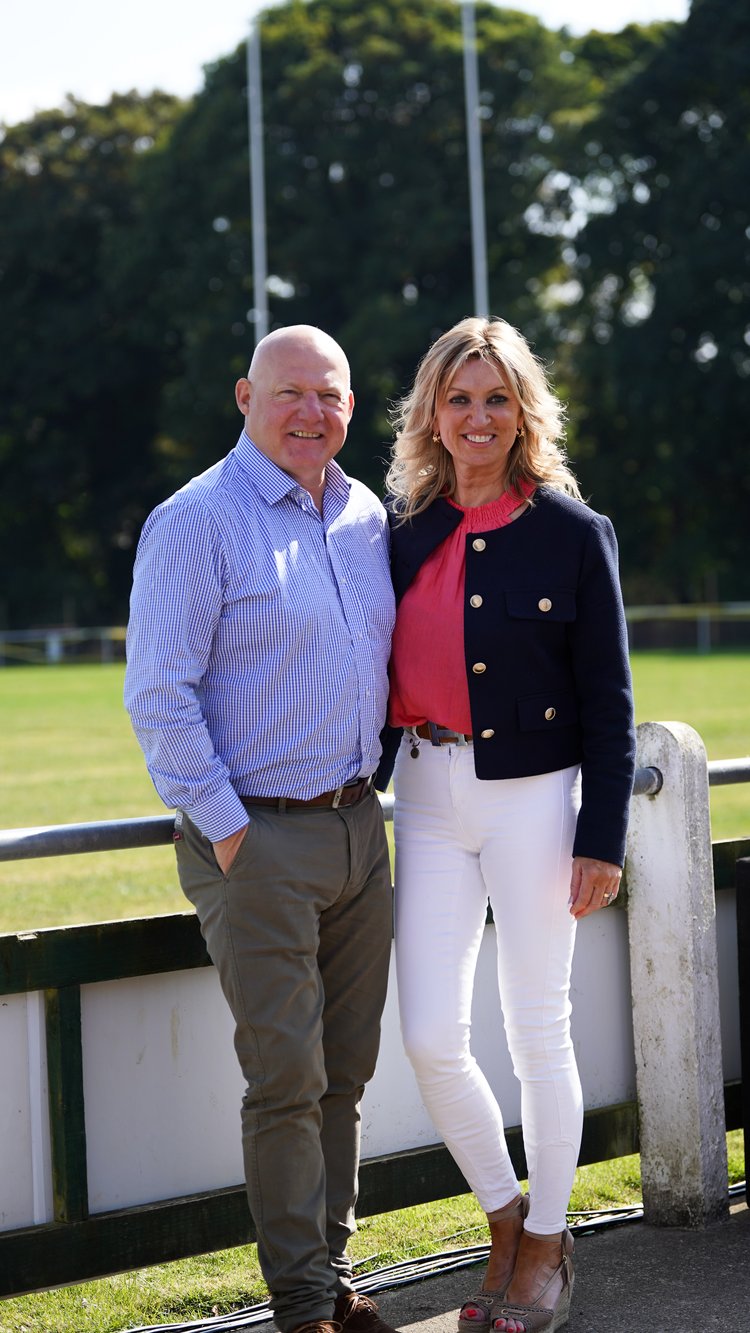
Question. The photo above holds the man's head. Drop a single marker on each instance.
(297, 401)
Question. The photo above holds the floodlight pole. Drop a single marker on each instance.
(476, 173)
(257, 178)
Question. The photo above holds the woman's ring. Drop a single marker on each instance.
(607, 899)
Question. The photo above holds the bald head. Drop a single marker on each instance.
(295, 339)
(297, 402)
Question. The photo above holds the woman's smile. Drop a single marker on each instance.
(477, 419)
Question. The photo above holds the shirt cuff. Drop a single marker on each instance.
(219, 815)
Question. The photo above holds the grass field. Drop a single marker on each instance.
(69, 756)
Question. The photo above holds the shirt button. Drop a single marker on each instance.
(476, 600)
(478, 668)
(545, 604)
(487, 735)
(479, 543)
(549, 713)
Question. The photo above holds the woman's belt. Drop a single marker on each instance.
(436, 735)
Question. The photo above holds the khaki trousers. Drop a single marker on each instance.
(300, 934)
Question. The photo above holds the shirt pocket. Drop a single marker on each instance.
(551, 710)
(543, 604)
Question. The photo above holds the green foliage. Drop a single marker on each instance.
(77, 383)
(367, 199)
(662, 363)
(618, 222)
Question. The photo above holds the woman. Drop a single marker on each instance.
(510, 691)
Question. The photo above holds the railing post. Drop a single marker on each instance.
(675, 985)
(66, 1103)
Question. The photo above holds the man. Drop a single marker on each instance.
(258, 643)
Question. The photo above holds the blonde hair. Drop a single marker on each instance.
(421, 468)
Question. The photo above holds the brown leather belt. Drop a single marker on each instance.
(430, 731)
(351, 794)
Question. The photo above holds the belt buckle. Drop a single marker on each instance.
(336, 802)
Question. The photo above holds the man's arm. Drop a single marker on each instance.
(176, 604)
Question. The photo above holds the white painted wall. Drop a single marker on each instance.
(25, 1176)
(162, 1087)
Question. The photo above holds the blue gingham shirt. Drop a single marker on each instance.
(259, 638)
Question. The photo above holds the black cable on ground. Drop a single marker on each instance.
(406, 1271)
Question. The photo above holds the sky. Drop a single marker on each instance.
(92, 48)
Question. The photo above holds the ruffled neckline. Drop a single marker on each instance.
(496, 513)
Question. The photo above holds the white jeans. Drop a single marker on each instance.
(460, 841)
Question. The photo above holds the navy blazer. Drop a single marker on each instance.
(546, 653)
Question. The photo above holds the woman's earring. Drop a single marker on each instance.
(436, 438)
(521, 433)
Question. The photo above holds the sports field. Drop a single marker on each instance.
(69, 756)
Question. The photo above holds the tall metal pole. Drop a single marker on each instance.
(257, 179)
(476, 173)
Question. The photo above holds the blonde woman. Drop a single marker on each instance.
(511, 726)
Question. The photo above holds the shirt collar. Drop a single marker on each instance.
(274, 484)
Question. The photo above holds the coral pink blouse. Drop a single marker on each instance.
(428, 662)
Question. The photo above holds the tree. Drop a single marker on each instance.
(78, 384)
(663, 362)
(126, 271)
(368, 214)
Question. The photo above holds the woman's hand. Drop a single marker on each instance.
(593, 884)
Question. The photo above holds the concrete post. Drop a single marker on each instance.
(675, 989)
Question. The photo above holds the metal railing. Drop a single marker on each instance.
(113, 835)
(706, 616)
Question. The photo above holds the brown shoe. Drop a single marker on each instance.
(541, 1317)
(358, 1314)
(477, 1314)
(318, 1326)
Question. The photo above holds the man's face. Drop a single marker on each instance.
(297, 404)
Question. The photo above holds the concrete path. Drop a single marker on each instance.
(629, 1279)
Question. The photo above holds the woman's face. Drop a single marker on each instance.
(478, 415)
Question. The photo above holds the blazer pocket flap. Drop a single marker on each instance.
(549, 604)
(551, 709)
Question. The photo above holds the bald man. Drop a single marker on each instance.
(258, 644)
